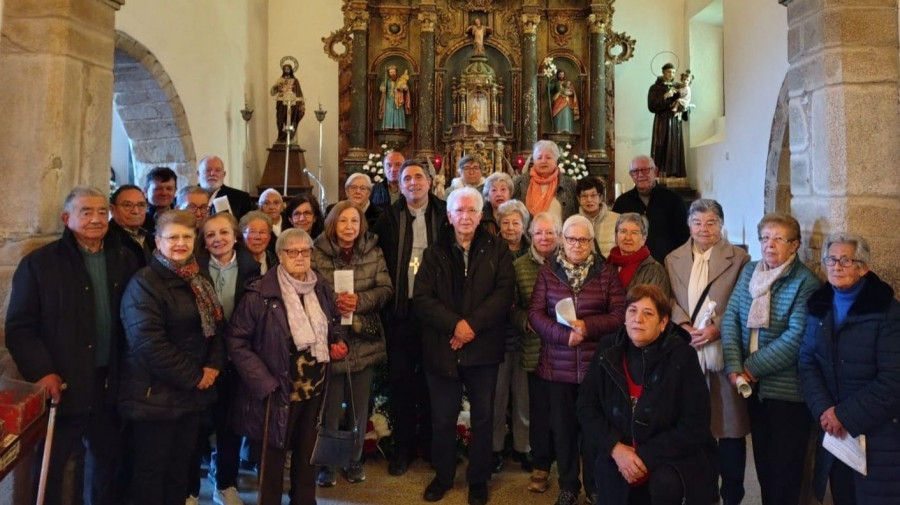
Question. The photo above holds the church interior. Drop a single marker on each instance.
(796, 101)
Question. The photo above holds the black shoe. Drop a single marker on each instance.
(435, 491)
(592, 498)
(398, 466)
(497, 462)
(524, 459)
(478, 494)
(567, 498)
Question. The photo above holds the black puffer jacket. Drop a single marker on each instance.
(166, 349)
(446, 291)
(670, 421)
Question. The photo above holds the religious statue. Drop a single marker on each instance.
(478, 32)
(563, 103)
(396, 102)
(683, 105)
(288, 94)
(667, 145)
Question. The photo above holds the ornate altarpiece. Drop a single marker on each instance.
(493, 102)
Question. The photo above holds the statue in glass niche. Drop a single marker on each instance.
(564, 107)
(396, 101)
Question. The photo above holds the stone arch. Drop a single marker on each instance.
(778, 163)
(151, 112)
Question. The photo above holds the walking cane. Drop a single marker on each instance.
(48, 446)
(265, 444)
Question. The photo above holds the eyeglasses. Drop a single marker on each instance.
(202, 209)
(293, 253)
(256, 234)
(271, 204)
(467, 212)
(845, 262)
(640, 171)
(578, 240)
(775, 240)
(305, 214)
(174, 239)
(354, 187)
(128, 206)
(472, 170)
(589, 196)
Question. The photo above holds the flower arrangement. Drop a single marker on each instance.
(374, 166)
(464, 427)
(571, 164)
(377, 429)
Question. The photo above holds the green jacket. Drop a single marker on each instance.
(775, 362)
(526, 275)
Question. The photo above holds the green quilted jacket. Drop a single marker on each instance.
(526, 275)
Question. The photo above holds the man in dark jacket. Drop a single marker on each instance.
(463, 293)
(63, 332)
(160, 187)
(387, 192)
(404, 231)
(128, 208)
(663, 207)
(211, 177)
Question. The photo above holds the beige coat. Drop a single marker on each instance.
(729, 410)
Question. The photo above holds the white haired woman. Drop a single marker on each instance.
(632, 258)
(702, 270)
(544, 188)
(498, 189)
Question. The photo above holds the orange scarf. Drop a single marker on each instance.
(534, 200)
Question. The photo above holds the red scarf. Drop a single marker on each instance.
(534, 200)
(628, 265)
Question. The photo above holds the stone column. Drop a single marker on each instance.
(57, 89)
(597, 139)
(530, 114)
(844, 141)
(425, 100)
(359, 25)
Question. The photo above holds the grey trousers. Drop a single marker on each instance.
(511, 379)
(339, 393)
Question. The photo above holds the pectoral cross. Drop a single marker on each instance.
(414, 264)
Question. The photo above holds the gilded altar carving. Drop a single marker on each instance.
(619, 47)
(338, 45)
(560, 26)
(394, 27)
(358, 19)
(427, 21)
(530, 23)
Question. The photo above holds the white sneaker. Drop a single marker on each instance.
(228, 496)
(192, 500)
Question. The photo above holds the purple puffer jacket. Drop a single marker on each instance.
(259, 340)
(600, 304)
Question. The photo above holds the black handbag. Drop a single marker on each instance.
(335, 447)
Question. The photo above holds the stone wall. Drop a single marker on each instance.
(844, 140)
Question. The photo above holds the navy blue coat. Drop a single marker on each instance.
(856, 367)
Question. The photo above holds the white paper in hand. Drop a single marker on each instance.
(565, 312)
(343, 283)
(850, 450)
(221, 205)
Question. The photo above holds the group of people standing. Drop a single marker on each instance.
(614, 340)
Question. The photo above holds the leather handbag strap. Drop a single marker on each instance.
(325, 399)
(700, 303)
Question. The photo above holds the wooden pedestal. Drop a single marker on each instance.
(273, 175)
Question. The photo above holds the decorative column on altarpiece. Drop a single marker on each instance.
(530, 117)
(597, 139)
(359, 24)
(425, 109)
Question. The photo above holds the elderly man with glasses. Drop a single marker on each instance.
(463, 293)
(128, 208)
(664, 209)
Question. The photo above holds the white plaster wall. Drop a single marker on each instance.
(120, 150)
(208, 48)
(296, 28)
(706, 64)
(733, 171)
(657, 26)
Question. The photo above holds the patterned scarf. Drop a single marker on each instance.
(538, 202)
(307, 321)
(628, 264)
(208, 304)
(576, 273)
(761, 291)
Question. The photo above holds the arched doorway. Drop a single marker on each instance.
(778, 163)
(151, 113)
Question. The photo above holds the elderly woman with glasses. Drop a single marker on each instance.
(272, 205)
(545, 232)
(761, 333)
(256, 232)
(850, 372)
(703, 271)
(632, 258)
(544, 188)
(358, 188)
(498, 189)
(347, 246)
(579, 277)
(173, 326)
(282, 338)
